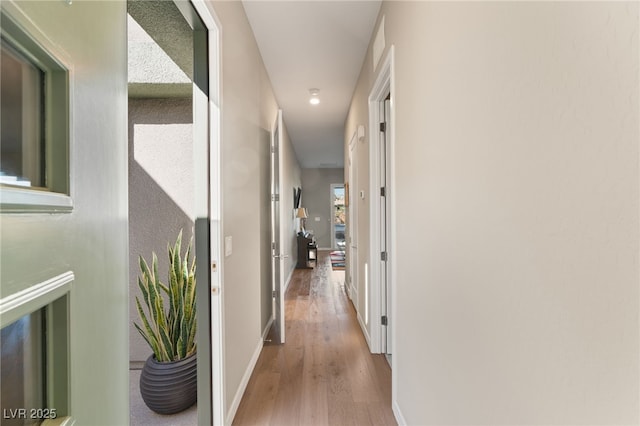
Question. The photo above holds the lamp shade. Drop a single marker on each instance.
(302, 213)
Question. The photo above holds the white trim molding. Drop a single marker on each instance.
(397, 413)
(213, 411)
(383, 85)
(19, 200)
(33, 298)
(365, 332)
(265, 331)
(286, 284)
(243, 383)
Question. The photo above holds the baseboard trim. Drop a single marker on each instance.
(286, 284)
(265, 332)
(353, 294)
(243, 384)
(398, 414)
(364, 331)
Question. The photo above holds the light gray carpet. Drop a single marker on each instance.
(140, 415)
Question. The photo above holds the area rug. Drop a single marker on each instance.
(337, 260)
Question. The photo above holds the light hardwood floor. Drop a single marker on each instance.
(324, 374)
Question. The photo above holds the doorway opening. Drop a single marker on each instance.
(174, 176)
(277, 255)
(351, 203)
(382, 209)
(338, 217)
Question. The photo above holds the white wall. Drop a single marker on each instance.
(316, 198)
(517, 211)
(248, 112)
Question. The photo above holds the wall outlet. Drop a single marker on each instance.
(317, 218)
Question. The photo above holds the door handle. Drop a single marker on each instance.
(280, 256)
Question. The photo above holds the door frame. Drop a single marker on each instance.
(208, 230)
(352, 215)
(384, 84)
(332, 225)
(278, 256)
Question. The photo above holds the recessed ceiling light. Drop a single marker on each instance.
(314, 100)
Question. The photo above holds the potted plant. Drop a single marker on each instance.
(168, 382)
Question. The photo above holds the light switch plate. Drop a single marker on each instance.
(228, 246)
(317, 218)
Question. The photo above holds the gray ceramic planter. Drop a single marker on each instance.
(169, 387)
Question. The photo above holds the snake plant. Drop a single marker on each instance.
(169, 332)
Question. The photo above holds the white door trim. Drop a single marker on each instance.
(276, 226)
(332, 225)
(383, 85)
(352, 226)
(209, 206)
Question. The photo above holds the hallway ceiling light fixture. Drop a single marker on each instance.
(314, 100)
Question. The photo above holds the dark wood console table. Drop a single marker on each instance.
(307, 251)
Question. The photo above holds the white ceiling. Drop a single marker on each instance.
(313, 44)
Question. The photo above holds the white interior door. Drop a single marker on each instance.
(385, 230)
(276, 254)
(386, 224)
(381, 209)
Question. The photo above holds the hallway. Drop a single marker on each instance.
(324, 373)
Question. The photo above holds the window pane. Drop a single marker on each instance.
(339, 216)
(22, 369)
(22, 143)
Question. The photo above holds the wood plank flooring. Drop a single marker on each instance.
(324, 374)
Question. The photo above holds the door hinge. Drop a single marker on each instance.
(273, 294)
(383, 191)
(273, 245)
(275, 197)
(383, 256)
(383, 320)
(273, 149)
(383, 127)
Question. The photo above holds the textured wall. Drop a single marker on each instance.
(152, 73)
(161, 185)
(164, 24)
(517, 182)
